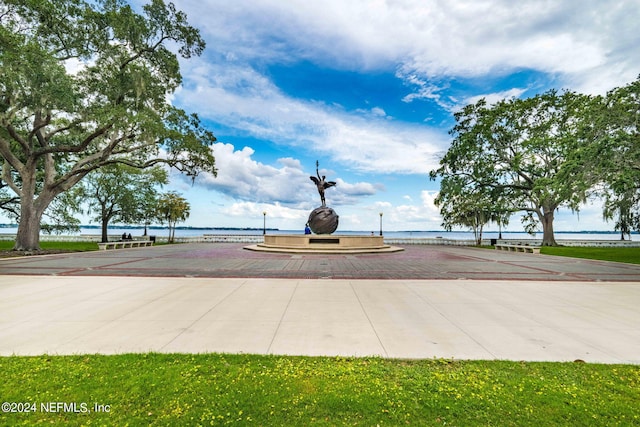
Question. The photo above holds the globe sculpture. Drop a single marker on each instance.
(323, 219)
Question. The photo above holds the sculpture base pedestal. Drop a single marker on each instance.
(323, 244)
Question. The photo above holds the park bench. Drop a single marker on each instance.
(125, 244)
(518, 248)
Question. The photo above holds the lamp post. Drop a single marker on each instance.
(264, 222)
(381, 223)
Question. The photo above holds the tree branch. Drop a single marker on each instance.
(6, 177)
(10, 158)
(39, 124)
(62, 129)
(142, 52)
(75, 148)
(16, 136)
(49, 169)
(90, 163)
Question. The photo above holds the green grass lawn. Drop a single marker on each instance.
(214, 389)
(7, 245)
(628, 255)
(55, 247)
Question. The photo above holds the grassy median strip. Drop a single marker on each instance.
(216, 389)
(628, 255)
(7, 245)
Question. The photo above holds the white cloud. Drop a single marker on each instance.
(246, 179)
(433, 38)
(257, 210)
(383, 147)
(424, 216)
(426, 90)
(243, 178)
(357, 189)
(428, 202)
(243, 99)
(377, 111)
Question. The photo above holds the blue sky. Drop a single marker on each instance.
(369, 88)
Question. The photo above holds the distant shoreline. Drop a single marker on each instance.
(260, 229)
(9, 233)
(158, 227)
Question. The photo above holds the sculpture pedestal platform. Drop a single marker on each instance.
(323, 244)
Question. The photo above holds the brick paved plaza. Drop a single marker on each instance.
(231, 260)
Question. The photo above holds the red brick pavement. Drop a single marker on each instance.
(231, 260)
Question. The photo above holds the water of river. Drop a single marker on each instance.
(455, 235)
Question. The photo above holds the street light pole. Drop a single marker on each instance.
(264, 222)
(381, 223)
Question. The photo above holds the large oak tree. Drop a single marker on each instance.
(522, 152)
(84, 84)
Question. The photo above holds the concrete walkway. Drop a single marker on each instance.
(66, 310)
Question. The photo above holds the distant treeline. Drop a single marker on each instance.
(160, 227)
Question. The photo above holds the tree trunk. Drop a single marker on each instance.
(171, 232)
(548, 238)
(28, 237)
(107, 212)
(478, 235)
(32, 207)
(31, 210)
(105, 227)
